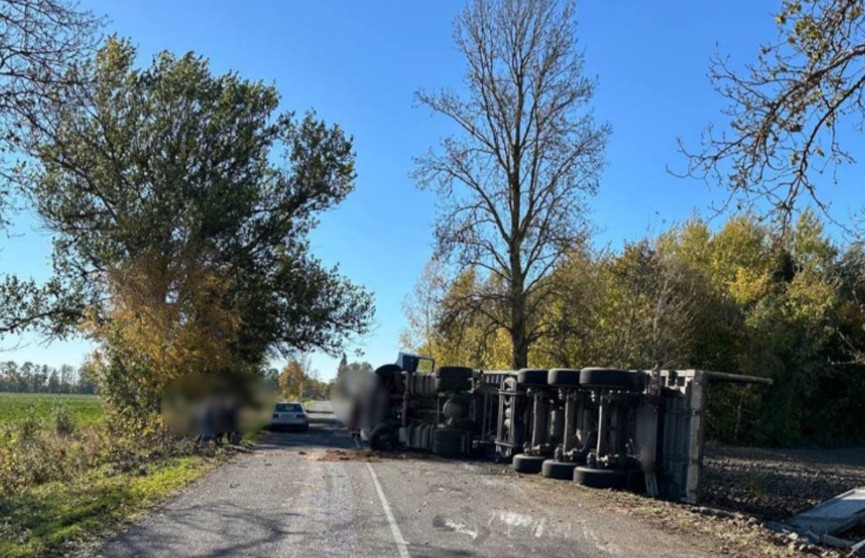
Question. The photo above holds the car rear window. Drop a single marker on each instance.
(289, 408)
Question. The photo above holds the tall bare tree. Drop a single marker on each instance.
(784, 112)
(40, 43)
(513, 180)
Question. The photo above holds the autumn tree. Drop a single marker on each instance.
(181, 202)
(788, 111)
(512, 181)
(420, 308)
(298, 380)
(292, 377)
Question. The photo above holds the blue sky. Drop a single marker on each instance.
(359, 63)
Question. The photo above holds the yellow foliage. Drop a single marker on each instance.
(749, 285)
(168, 318)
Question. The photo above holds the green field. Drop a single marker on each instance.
(14, 406)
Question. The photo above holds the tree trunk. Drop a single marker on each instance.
(519, 337)
(519, 348)
(519, 341)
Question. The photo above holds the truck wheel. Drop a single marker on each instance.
(382, 438)
(532, 377)
(636, 481)
(563, 470)
(448, 442)
(454, 372)
(528, 464)
(564, 377)
(600, 478)
(607, 378)
(452, 383)
(387, 371)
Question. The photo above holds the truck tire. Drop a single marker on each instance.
(389, 375)
(452, 383)
(563, 470)
(454, 372)
(636, 481)
(448, 442)
(607, 378)
(528, 464)
(564, 377)
(532, 377)
(387, 370)
(383, 438)
(600, 478)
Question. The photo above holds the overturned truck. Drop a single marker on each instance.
(603, 428)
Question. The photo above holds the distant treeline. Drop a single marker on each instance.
(35, 378)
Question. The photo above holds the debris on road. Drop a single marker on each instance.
(831, 522)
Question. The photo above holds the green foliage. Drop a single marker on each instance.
(32, 378)
(199, 172)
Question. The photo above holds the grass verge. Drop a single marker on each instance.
(55, 518)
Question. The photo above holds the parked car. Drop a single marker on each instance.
(289, 416)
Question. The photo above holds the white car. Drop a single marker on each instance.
(289, 416)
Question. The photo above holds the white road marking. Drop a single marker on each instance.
(539, 530)
(394, 528)
(461, 528)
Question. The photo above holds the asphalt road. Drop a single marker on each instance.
(298, 495)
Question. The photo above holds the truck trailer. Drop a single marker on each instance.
(640, 430)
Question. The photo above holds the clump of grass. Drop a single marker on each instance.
(64, 420)
(29, 426)
(756, 485)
